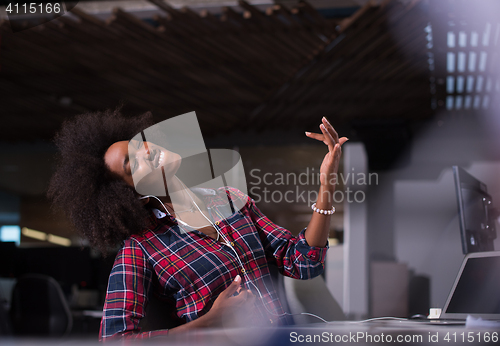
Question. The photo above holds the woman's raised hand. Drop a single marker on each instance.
(330, 164)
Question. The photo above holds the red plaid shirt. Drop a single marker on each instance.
(190, 269)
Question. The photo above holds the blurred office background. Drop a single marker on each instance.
(413, 84)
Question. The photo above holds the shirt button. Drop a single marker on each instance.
(232, 244)
(243, 270)
(217, 223)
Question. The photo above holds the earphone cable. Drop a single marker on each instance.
(247, 278)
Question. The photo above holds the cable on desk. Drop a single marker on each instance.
(381, 318)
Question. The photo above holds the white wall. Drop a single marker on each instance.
(427, 233)
(423, 218)
(355, 275)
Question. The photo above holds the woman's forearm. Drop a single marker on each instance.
(317, 231)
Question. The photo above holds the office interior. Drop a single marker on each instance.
(413, 84)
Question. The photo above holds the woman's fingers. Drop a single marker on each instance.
(337, 151)
(321, 137)
(317, 136)
(330, 129)
(232, 288)
(244, 298)
(328, 137)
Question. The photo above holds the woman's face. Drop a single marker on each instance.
(142, 163)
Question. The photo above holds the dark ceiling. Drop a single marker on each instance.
(241, 71)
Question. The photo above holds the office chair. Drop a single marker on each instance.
(159, 315)
(311, 296)
(38, 307)
(5, 327)
(279, 285)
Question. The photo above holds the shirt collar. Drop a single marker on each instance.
(201, 192)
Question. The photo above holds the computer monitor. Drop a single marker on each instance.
(475, 213)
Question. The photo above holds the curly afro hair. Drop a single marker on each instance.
(102, 207)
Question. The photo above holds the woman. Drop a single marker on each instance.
(206, 265)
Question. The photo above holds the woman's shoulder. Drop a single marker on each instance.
(157, 233)
(221, 191)
(232, 192)
(228, 194)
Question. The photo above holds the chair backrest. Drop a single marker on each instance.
(311, 296)
(279, 285)
(5, 327)
(38, 307)
(158, 315)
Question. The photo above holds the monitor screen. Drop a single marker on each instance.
(475, 211)
(10, 233)
(477, 289)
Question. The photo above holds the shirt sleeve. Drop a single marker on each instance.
(127, 295)
(293, 255)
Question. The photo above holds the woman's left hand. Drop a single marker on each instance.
(330, 164)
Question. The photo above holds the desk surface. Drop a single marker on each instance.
(367, 333)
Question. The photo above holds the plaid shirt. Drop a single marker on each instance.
(190, 269)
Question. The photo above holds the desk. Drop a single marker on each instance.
(369, 333)
(336, 333)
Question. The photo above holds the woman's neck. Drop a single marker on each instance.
(178, 197)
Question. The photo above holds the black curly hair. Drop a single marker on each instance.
(102, 207)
